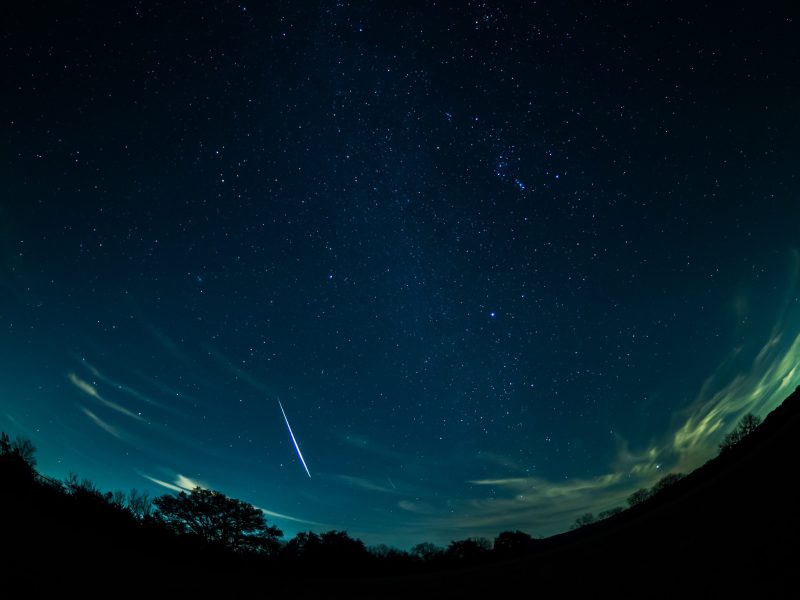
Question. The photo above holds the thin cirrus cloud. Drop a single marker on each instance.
(362, 442)
(774, 375)
(170, 346)
(278, 515)
(546, 507)
(536, 505)
(240, 374)
(369, 485)
(417, 506)
(126, 388)
(171, 434)
(108, 428)
(181, 483)
(88, 389)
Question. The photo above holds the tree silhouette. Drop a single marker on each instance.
(469, 550)
(139, 504)
(339, 547)
(25, 449)
(386, 553)
(217, 519)
(304, 545)
(583, 521)
(119, 499)
(332, 551)
(17, 457)
(747, 425)
(513, 543)
(667, 481)
(638, 497)
(426, 551)
(610, 512)
(82, 488)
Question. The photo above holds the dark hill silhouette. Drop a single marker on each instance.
(730, 528)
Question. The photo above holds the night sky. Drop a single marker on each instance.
(501, 264)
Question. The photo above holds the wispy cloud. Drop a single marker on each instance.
(773, 376)
(278, 515)
(367, 484)
(187, 483)
(180, 483)
(239, 373)
(544, 506)
(417, 506)
(126, 388)
(169, 391)
(501, 461)
(166, 484)
(167, 343)
(88, 389)
(110, 429)
(535, 504)
(363, 442)
(28, 432)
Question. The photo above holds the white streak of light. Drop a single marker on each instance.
(294, 441)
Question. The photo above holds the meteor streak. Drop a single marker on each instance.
(294, 441)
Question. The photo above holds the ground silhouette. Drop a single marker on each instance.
(730, 528)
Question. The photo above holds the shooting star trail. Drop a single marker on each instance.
(294, 441)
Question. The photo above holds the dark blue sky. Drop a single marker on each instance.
(501, 265)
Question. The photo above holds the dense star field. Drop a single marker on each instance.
(497, 265)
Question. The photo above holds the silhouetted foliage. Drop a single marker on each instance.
(610, 512)
(75, 523)
(17, 457)
(139, 504)
(470, 550)
(303, 545)
(84, 488)
(386, 552)
(666, 482)
(332, 551)
(217, 519)
(638, 497)
(25, 449)
(643, 494)
(513, 543)
(747, 425)
(388, 560)
(583, 521)
(426, 551)
(340, 547)
(119, 499)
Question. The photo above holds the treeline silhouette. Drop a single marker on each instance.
(746, 425)
(205, 520)
(201, 539)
